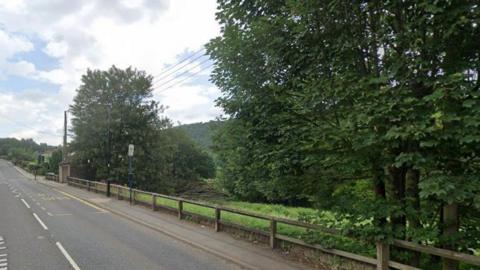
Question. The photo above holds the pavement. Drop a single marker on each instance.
(48, 225)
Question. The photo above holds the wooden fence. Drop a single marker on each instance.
(381, 262)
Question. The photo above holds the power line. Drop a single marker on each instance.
(181, 74)
(38, 131)
(178, 83)
(159, 79)
(180, 62)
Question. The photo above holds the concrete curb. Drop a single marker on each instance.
(157, 229)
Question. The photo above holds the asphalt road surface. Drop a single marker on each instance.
(41, 228)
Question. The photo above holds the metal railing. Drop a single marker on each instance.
(382, 260)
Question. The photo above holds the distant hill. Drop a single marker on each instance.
(202, 133)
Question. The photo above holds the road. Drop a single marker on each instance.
(41, 228)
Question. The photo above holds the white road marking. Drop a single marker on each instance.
(2, 243)
(3, 255)
(3, 264)
(26, 204)
(2, 247)
(3, 260)
(69, 258)
(50, 214)
(40, 221)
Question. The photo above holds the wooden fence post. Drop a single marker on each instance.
(217, 219)
(383, 255)
(134, 193)
(273, 233)
(88, 185)
(180, 209)
(118, 193)
(154, 202)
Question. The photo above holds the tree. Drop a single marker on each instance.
(115, 108)
(328, 94)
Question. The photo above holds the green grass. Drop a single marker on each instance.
(288, 212)
(250, 222)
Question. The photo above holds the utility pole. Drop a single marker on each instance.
(64, 136)
(64, 166)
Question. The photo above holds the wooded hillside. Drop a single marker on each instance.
(202, 133)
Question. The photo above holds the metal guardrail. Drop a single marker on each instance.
(382, 261)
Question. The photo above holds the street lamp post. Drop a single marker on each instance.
(130, 173)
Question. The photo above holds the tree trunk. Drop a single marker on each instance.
(379, 186)
(450, 227)
(413, 205)
(398, 196)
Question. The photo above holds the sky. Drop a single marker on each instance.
(46, 46)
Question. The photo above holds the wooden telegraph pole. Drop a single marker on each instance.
(64, 166)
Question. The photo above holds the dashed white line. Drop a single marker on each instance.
(50, 214)
(67, 256)
(3, 255)
(40, 221)
(26, 204)
(2, 247)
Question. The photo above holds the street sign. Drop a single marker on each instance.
(130, 150)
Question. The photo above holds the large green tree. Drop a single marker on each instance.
(115, 108)
(324, 95)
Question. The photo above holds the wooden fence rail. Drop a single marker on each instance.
(382, 260)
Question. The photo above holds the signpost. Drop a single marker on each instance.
(130, 173)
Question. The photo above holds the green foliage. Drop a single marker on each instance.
(202, 133)
(21, 151)
(114, 108)
(325, 95)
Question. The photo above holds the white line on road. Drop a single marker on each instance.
(1, 243)
(3, 255)
(50, 214)
(69, 258)
(40, 221)
(2, 247)
(3, 260)
(26, 204)
(3, 264)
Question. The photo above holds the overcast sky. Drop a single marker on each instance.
(46, 45)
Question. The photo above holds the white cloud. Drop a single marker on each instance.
(196, 106)
(31, 114)
(146, 34)
(56, 49)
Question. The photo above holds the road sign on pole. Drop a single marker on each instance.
(130, 150)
